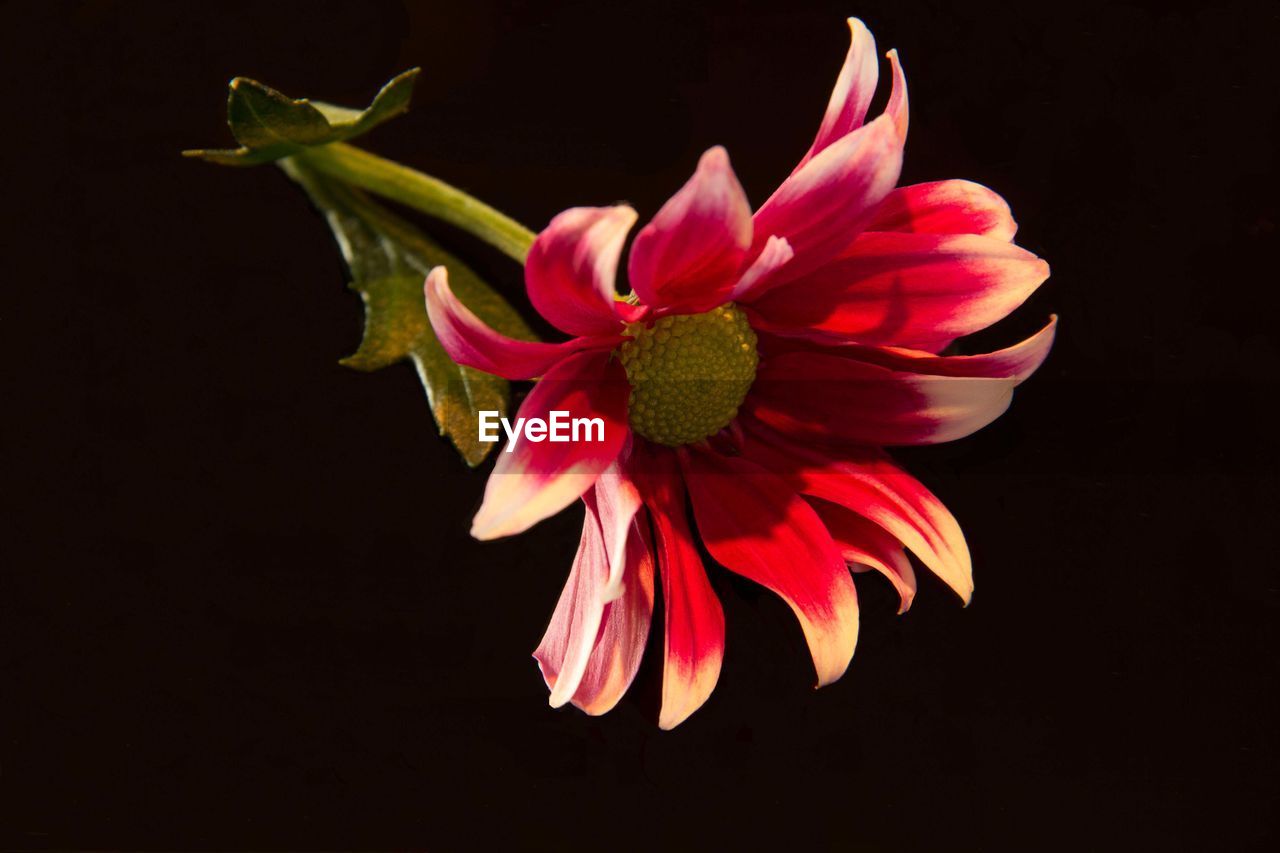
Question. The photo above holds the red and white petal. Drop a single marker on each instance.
(865, 545)
(945, 207)
(534, 480)
(909, 290)
(856, 83)
(823, 206)
(593, 647)
(897, 109)
(754, 524)
(1016, 362)
(566, 646)
(618, 501)
(762, 273)
(688, 256)
(826, 398)
(470, 342)
(572, 266)
(870, 484)
(694, 620)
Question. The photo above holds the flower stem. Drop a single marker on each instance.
(422, 192)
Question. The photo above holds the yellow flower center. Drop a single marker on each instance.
(688, 374)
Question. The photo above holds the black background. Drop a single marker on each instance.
(241, 606)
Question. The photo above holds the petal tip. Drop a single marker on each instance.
(717, 156)
(667, 722)
(623, 215)
(484, 527)
(437, 278)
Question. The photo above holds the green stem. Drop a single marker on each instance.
(421, 192)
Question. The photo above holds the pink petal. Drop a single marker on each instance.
(821, 208)
(470, 342)
(694, 621)
(945, 207)
(847, 107)
(688, 255)
(897, 108)
(826, 398)
(618, 501)
(868, 483)
(762, 274)
(754, 524)
(592, 648)
(1016, 362)
(865, 545)
(572, 266)
(910, 290)
(538, 479)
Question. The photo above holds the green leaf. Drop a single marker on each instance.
(270, 126)
(388, 260)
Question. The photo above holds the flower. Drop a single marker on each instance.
(755, 371)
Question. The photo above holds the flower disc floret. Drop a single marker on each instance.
(689, 373)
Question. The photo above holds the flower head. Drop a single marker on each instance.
(757, 368)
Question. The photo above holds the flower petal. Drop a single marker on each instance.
(537, 479)
(592, 647)
(572, 266)
(761, 275)
(694, 620)
(821, 208)
(1016, 362)
(865, 545)
(856, 83)
(910, 290)
(754, 524)
(897, 109)
(566, 646)
(826, 398)
(470, 342)
(688, 255)
(945, 207)
(868, 483)
(618, 501)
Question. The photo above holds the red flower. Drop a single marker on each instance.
(754, 372)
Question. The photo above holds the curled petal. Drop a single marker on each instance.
(536, 479)
(754, 524)
(593, 645)
(911, 290)
(618, 501)
(897, 108)
(847, 107)
(1016, 362)
(827, 398)
(945, 207)
(868, 483)
(821, 208)
(688, 255)
(762, 273)
(865, 545)
(694, 621)
(572, 266)
(470, 342)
